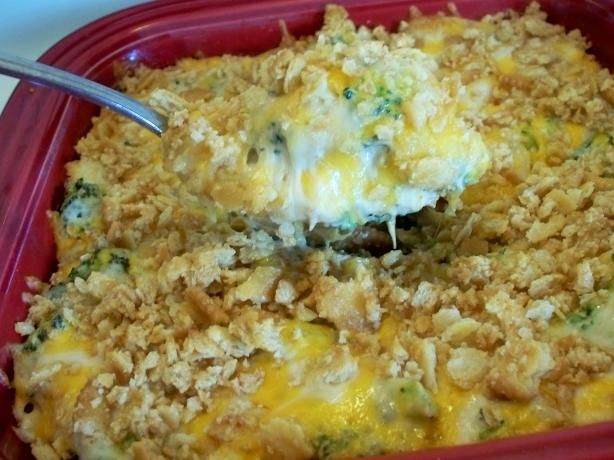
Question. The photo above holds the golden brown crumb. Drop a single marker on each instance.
(518, 368)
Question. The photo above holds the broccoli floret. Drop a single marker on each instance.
(388, 104)
(83, 270)
(328, 446)
(584, 318)
(110, 261)
(35, 340)
(528, 140)
(55, 291)
(57, 322)
(584, 148)
(57, 294)
(415, 400)
(119, 259)
(80, 206)
(402, 397)
(118, 263)
(337, 39)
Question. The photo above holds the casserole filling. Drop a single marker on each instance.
(178, 328)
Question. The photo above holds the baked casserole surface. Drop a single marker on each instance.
(177, 326)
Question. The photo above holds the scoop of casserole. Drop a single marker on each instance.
(345, 129)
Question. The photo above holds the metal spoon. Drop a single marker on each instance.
(89, 90)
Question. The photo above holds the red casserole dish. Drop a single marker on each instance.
(39, 128)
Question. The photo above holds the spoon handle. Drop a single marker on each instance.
(89, 90)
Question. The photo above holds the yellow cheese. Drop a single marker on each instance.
(507, 65)
(576, 134)
(594, 402)
(348, 414)
(55, 401)
(435, 32)
(434, 47)
(338, 80)
(496, 188)
(64, 391)
(346, 411)
(465, 416)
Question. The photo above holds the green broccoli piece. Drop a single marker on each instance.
(80, 206)
(83, 270)
(402, 397)
(584, 148)
(118, 264)
(41, 334)
(584, 318)
(327, 446)
(35, 340)
(415, 400)
(57, 322)
(109, 261)
(388, 104)
(55, 291)
(528, 140)
(57, 294)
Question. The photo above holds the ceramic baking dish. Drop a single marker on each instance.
(39, 128)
